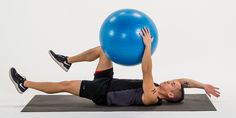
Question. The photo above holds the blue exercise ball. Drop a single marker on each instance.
(120, 39)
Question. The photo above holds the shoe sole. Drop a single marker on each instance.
(59, 63)
(15, 84)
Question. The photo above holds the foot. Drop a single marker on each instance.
(17, 80)
(60, 60)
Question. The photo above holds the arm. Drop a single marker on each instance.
(209, 89)
(148, 84)
(189, 83)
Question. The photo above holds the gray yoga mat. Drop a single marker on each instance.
(70, 103)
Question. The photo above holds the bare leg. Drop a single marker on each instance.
(72, 86)
(91, 55)
(104, 62)
(88, 55)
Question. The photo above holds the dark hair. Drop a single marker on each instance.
(178, 99)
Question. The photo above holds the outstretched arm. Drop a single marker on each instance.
(148, 84)
(209, 89)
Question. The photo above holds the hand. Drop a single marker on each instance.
(145, 35)
(211, 90)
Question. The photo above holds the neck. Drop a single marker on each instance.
(160, 93)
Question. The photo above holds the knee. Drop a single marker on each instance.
(65, 85)
(100, 51)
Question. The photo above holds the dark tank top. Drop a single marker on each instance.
(125, 92)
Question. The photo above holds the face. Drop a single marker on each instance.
(170, 86)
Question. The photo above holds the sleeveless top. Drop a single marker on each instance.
(125, 92)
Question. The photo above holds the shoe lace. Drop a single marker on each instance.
(61, 56)
(20, 77)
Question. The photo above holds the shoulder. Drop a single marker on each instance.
(150, 100)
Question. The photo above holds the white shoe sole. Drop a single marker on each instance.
(59, 63)
(15, 84)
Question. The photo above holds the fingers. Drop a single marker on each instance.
(145, 31)
(145, 34)
(217, 92)
(212, 90)
(141, 34)
(209, 94)
(216, 88)
(214, 93)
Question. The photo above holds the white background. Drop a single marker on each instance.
(196, 40)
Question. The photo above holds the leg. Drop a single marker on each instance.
(72, 86)
(88, 55)
(91, 55)
(104, 62)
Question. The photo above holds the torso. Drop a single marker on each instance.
(126, 92)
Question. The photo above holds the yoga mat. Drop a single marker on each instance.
(70, 103)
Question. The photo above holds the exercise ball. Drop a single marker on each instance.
(120, 39)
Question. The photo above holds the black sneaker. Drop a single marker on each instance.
(60, 60)
(17, 80)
